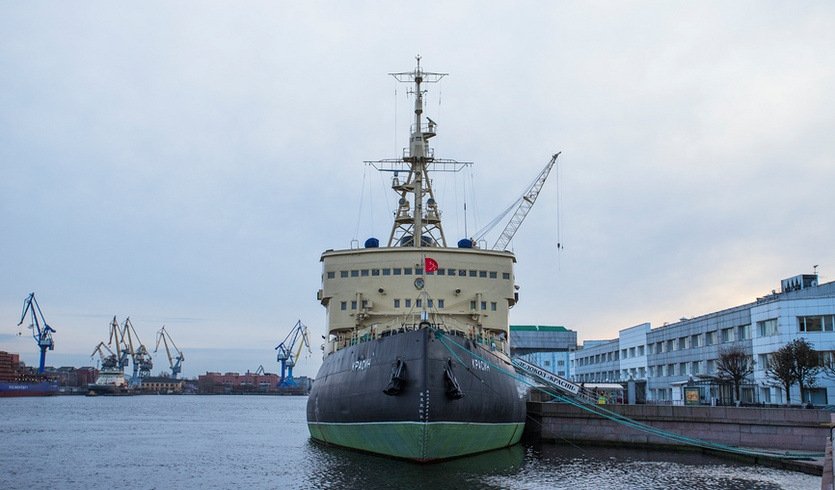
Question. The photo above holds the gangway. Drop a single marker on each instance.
(552, 380)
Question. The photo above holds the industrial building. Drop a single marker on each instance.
(664, 360)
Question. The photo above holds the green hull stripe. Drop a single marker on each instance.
(416, 440)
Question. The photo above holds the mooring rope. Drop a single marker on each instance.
(623, 420)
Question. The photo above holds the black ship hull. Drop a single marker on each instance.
(420, 395)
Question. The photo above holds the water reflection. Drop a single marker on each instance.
(343, 468)
(529, 466)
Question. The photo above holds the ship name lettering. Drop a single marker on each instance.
(361, 364)
(480, 365)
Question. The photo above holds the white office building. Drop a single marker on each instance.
(661, 361)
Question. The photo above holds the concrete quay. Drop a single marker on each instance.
(789, 430)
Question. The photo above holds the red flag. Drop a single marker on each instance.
(431, 265)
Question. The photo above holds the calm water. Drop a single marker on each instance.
(208, 442)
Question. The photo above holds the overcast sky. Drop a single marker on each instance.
(186, 163)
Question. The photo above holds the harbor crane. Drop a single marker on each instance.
(41, 332)
(286, 356)
(142, 363)
(107, 358)
(174, 362)
(522, 206)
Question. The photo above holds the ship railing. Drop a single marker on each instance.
(428, 151)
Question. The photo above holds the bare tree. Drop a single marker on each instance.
(795, 362)
(781, 368)
(734, 366)
(806, 364)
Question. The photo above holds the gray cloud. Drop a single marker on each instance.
(186, 165)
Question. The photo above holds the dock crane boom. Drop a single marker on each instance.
(522, 205)
(107, 357)
(287, 357)
(142, 363)
(164, 337)
(41, 332)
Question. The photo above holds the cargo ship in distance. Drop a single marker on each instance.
(14, 382)
(416, 363)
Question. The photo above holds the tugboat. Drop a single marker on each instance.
(416, 362)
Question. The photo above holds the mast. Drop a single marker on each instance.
(421, 226)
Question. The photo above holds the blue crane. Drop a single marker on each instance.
(287, 357)
(41, 332)
(165, 337)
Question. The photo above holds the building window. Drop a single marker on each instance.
(450, 272)
(710, 338)
(815, 323)
(694, 367)
(483, 305)
(343, 305)
(407, 271)
(482, 274)
(547, 363)
(743, 332)
(365, 303)
(682, 369)
(397, 271)
(386, 272)
(695, 341)
(767, 328)
(727, 335)
(493, 275)
(331, 275)
(355, 273)
(429, 303)
(440, 272)
(763, 361)
(408, 302)
(354, 305)
(493, 306)
(418, 303)
(440, 303)
(343, 273)
(506, 275)
(682, 343)
(397, 303)
(375, 272)
(418, 271)
(364, 273)
(473, 273)
(640, 350)
(472, 305)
